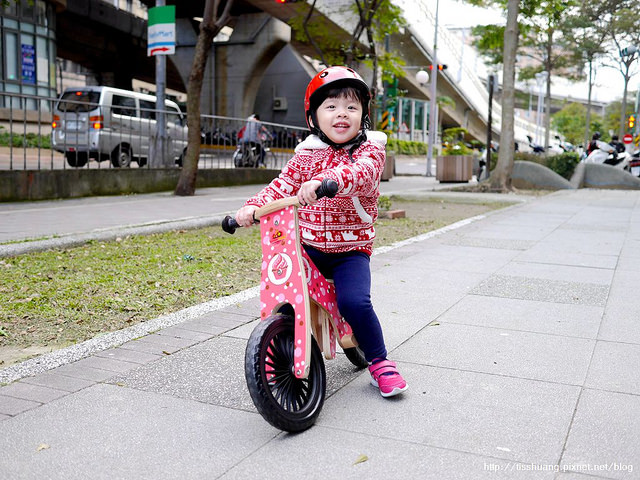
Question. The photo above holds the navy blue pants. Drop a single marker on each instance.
(351, 276)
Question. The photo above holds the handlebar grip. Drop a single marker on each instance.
(229, 225)
(328, 189)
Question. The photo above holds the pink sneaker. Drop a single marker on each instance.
(386, 377)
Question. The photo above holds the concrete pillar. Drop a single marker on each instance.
(241, 63)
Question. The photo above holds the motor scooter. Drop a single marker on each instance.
(606, 154)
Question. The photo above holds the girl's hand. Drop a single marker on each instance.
(307, 193)
(244, 216)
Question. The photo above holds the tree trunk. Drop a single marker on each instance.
(587, 129)
(623, 107)
(501, 175)
(208, 30)
(547, 97)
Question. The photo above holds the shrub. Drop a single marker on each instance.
(30, 140)
(406, 147)
(564, 164)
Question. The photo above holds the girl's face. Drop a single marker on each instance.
(339, 118)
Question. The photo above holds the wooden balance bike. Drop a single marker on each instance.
(300, 323)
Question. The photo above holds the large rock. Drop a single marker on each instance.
(594, 175)
(533, 176)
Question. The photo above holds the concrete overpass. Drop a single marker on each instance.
(261, 65)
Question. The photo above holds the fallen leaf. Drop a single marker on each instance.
(361, 459)
(42, 446)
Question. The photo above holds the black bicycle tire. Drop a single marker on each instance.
(277, 332)
(356, 357)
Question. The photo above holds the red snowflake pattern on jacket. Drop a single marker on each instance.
(343, 223)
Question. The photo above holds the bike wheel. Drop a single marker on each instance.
(286, 402)
(356, 357)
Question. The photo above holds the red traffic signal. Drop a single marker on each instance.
(287, 1)
(440, 67)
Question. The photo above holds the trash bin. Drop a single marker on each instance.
(389, 166)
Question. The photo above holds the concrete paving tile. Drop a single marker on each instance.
(602, 242)
(247, 308)
(154, 347)
(202, 325)
(108, 364)
(77, 370)
(565, 273)
(243, 331)
(490, 415)
(35, 393)
(356, 456)
(178, 332)
(620, 321)
(213, 372)
(550, 254)
(497, 351)
(60, 382)
(13, 406)
(4, 417)
(527, 288)
(458, 258)
(166, 342)
(605, 433)
(127, 355)
(488, 242)
(140, 435)
(615, 367)
(527, 315)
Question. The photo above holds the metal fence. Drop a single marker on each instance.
(38, 133)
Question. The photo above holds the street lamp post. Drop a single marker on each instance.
(433, 103)
(540, 79)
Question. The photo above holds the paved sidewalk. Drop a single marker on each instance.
(517, 332)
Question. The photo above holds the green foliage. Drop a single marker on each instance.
(571, 119)
(489, 40)
(564, 164)
(406, 147)
(384, 203)
(30, 140)
(453, 142)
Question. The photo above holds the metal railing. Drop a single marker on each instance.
(35, 135)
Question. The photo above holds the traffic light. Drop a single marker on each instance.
(440, 67)
(287, 1)
(631, 121)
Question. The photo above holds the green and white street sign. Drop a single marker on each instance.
(161, 36)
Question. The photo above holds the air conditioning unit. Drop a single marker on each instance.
(280, 103)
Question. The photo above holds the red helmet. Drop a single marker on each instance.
(337, 76)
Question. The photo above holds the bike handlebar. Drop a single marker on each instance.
(328, 189)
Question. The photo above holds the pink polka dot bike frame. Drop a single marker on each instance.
(300, 323)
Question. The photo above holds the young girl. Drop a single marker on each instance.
(337, 233)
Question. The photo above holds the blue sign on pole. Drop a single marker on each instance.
(28, 64)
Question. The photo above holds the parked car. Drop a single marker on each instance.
(105, 123)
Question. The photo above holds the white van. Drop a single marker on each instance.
(105, 123)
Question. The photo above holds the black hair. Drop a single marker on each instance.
(336, 90)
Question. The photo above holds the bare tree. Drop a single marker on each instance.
(216, 15)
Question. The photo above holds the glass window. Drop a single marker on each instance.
(78, 101)
(41, 13)
(419, 115)
(11, 9)
(27, 10)
(42, 61)
(122, 105)
(11, 55)
(174, 115)
(28, 59)
(147, 109)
